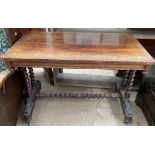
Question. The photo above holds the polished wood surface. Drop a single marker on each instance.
(78, 50)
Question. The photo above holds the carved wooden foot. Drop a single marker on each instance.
(125, 96)
(126, 105)
(31, 89)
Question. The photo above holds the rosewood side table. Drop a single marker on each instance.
(116, 51)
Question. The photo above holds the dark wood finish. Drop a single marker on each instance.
(27, 82)
(116, 51)
(30, 89)
(130, 83)
(125, 78)
(138, 77)
(79, 50)
(10, 99)
(32, 77)
(125, 96)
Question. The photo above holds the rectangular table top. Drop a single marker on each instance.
(78, 50)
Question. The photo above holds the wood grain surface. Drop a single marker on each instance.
(78, 50)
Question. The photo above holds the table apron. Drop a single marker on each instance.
(12, 64)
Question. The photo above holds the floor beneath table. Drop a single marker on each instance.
(80, 112)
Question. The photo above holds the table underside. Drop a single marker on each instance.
(31, 91)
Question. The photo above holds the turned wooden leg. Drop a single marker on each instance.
(27, 83)
(31, 88)
(125, 97)
(130, 83)
(27, 97)
(32, 78)
(35, 84)
(125, 79)
(127, 104)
